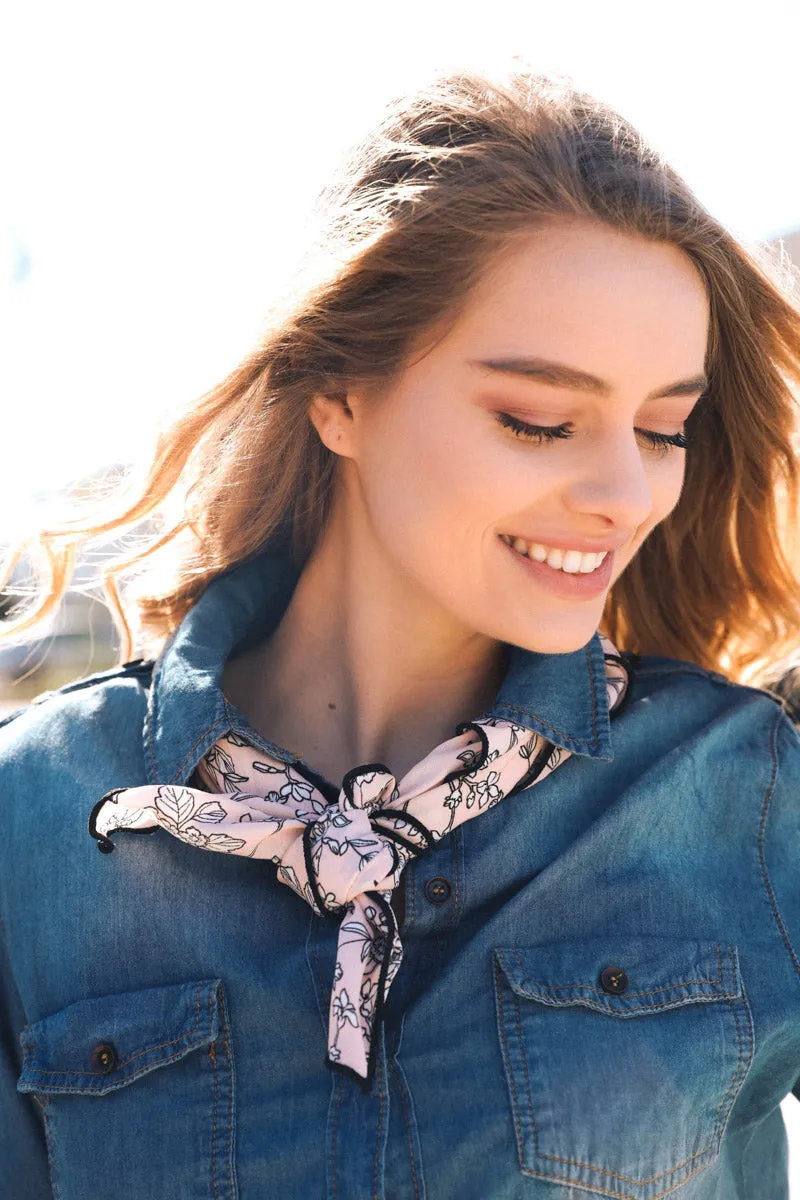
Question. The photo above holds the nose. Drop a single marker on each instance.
(612, 481)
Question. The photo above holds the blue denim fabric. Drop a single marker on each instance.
(606, 1002)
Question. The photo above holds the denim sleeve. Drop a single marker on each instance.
(24, 1173)
(780, 847)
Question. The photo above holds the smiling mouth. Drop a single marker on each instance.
(570, 562)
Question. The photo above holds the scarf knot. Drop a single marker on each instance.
(346, 852)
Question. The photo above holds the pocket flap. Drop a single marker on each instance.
(659, 972)
(98, 1045)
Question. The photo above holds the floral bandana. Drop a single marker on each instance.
(345, 858)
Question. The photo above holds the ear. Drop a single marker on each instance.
(332, 417)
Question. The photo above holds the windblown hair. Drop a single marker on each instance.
(447, 179)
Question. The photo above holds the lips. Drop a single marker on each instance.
(568, 585)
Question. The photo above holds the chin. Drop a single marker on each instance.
(560, 641)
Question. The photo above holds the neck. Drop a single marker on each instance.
(364, 666)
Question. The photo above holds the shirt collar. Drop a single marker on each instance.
(561, 696)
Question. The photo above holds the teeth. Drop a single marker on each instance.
(572, 562)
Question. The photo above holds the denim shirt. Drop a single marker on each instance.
(600, 992)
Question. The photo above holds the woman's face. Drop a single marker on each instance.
(597, 337)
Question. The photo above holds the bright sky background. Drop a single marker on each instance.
(159, 160)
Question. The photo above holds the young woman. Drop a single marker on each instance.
(470, 864)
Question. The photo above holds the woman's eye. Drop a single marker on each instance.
(535, 433)
(664, 442)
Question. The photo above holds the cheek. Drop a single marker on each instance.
(434, 476)
(667, 485)
(666, 482)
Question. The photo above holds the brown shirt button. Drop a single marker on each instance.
(613, 979)
(104, 1057)
(437, 890)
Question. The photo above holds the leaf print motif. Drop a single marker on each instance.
(267, 768)
(222, 841)
(212, 811)
(528, 749)
(362, 934)
(224, 767)
(176, 803)
(132, 817)
(364, 856)
(468, 756)
(221, 761)
(297, 789)
(313, 813)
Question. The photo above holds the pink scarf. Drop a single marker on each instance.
(345, 858)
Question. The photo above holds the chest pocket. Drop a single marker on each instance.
(623, 1057)
(137, 1094)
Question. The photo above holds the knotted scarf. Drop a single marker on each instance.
(345, 858)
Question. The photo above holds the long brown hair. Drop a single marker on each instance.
(451, 173)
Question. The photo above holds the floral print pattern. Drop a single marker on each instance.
(345, 858)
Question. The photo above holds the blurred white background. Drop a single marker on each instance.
(160, 160)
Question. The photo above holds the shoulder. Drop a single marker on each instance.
(66, 744)
(653, 676)
(139, 669)
(702, 712)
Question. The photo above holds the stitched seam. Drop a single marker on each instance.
(340, 1081)
(213, 1056)
(51, 1153)
(379, 1074)
(231, 1084)
(525, 1070)
(562, 987)
(738, 1054)
(591, 692)
(315, 967)
(607, 1191)
(407, 1123)
(220, 722)
(498, 985)
(454, 914)
(149, 1050)
(761, 854)
(547, 725)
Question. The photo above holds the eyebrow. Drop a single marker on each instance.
(560, 375)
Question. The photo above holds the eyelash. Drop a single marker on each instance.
(550, 433)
